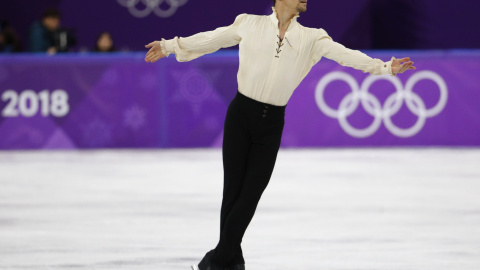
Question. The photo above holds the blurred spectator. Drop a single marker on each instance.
(104, 43)
(46, 35)
(9, 41)
(42, 33)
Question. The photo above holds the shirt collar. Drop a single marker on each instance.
(274, 18)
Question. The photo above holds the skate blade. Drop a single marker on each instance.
(194, 267)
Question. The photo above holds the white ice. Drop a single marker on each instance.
(349, 209)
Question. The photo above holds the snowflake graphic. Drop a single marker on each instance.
(134, 117)
(195, 87)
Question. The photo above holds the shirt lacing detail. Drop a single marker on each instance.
(280, 44)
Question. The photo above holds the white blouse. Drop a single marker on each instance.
(271, 69)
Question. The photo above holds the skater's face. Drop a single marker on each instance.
(298, 5)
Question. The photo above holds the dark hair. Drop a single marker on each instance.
(51, 13)
(274, 1)
(11, 42)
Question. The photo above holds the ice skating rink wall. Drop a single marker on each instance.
(98, 101)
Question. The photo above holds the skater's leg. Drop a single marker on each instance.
(235, 148)
(261, 161)
(236, 145)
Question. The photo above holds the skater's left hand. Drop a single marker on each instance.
(398, 67)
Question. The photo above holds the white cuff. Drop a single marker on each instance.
(167, 47)
(386, 68)
(389, 67)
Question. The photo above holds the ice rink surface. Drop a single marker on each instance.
(348, 209)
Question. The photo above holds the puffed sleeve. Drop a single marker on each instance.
(189, 48)
(326, 47)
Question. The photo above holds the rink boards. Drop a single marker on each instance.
(119, 101)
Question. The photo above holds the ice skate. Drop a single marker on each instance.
(235, 267)
(206, 263)
(194, 267)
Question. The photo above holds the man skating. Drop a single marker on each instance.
(276, 53)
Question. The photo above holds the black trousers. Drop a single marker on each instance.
(252, 136)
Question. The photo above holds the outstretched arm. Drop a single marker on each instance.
(186, 49)
(326, 47)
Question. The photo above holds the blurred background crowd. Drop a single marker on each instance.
(127, 25)
(47, 35)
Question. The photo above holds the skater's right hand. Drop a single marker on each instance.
(155, 53)
(402, 65)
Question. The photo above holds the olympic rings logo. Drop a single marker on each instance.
(152, 6)
(372, 106)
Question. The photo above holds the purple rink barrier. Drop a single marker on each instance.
(119, 101)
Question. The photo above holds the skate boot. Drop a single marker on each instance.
(237, 267)
(206, 264)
